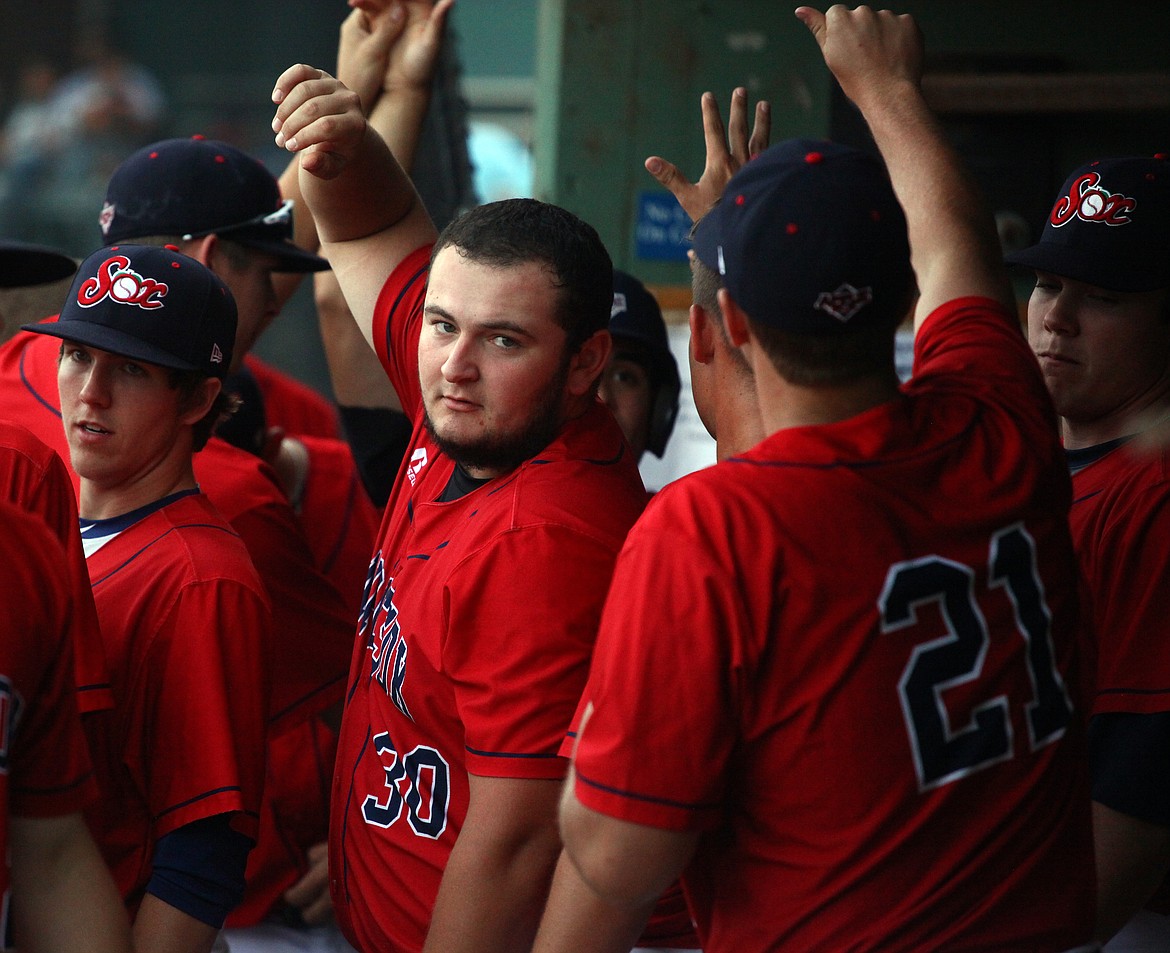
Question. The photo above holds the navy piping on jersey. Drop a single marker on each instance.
(1081, 458)
(1087, 496)
(508, 754)
(345, 816)
(203, 797)
(130, 559)
(276, 716)
(56, 411)
(95, 529)
(1134, 691)
(343, 529)
(94, 687)
(644, 797)
(855, 464)
(397, 301)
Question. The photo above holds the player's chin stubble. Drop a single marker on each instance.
(504, 451)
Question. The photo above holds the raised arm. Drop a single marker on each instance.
(877, 59)
(368, 215)
(726, 152)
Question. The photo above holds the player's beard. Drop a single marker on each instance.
(505, 451)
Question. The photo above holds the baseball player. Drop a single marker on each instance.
(57, 892)
(195, 182)
(640, 385)
(34, 478)
(496, 547)
(147, 337)
(872, 613)
(1099, 322)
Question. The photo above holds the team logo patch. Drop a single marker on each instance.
(418, 460)
(1090, 203)
(115, 280)
(845, 302)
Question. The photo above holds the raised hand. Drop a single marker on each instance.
(868, 51)
(319, 117)
(726, 152)
(363, 48)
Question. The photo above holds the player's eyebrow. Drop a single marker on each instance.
(499, 325)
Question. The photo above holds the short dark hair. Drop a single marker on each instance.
(516, 231)
(224, 405)
(811, 360)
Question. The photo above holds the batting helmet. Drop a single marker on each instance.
(636, 319)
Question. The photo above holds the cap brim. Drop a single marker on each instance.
(289, 257)
(112, 340)
(22, 264)
(1113, 273)
(706, 241)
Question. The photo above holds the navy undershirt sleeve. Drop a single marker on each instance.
(199, 869)
(378, 438)
(1130, 758)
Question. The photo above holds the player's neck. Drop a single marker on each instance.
(784, 405)
(99, 500)
(1144, 412)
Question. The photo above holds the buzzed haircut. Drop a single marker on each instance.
(516, 231)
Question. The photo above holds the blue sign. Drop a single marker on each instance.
(662, 232)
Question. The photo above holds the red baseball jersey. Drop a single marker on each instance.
(473, 645)
(1120, 520)
(338, 518)
(848, 658)
(34, 478)
(187, 630)
(44, 763)
(314, 626)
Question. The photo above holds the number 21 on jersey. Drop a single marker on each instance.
(943, 754)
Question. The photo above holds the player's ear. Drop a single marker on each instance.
(199, 401)
(737, 323)
(586, 365)
(701, 345)
(202, 249)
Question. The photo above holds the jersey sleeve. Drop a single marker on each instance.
(312, 629)
(518, 646)
(47, 759)
(202, 719)
(398, 323)
(975, 341)
(1131, 599)
(53, 499)
(663, 682)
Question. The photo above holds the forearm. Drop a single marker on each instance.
(398, 118)
(951, 231)
(63, 897)
(1133, 858)
(357, 375)
(161, 928)
(346, 206)
(492, 894)
(577, 920)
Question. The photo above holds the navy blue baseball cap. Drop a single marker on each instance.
(1109, 227)
(22, 264)
(636, 317)
(809, 237)
(195, 187)
(151, 304)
